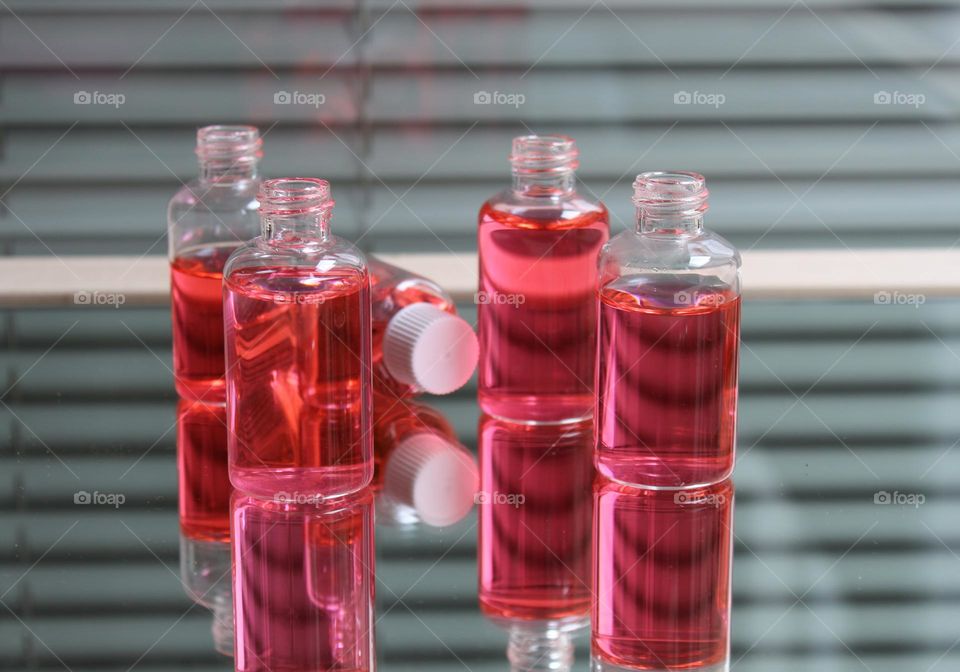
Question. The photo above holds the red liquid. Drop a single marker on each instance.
(204, 484)
(298, 347)
(537, 312)
(303, 585)
(197, 305)
(392, 290)
(667, 383)
(662, 576)
(535, 489)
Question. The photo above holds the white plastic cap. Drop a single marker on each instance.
(430, 348)
(434, 476)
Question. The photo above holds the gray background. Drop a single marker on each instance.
(839, 401)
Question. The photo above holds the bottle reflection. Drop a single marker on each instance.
(204, 484)
(422, 472)
(205, 573)
(662, 577)
(204, 505)
(535, 517)
(303, 584)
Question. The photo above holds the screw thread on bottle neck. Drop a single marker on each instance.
(548, 650)
(544, 165)
(295, 209)
(228, 152)
(670, 202)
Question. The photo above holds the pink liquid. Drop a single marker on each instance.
(392, 290)
(204, 484)
(535, 508)
(667, 383)
(298, 348)
(303, 585)
(662, 576)
(197, 307)
(537, 312)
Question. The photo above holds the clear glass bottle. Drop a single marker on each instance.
(538, 244)
(668, 342)
(204, 483)
(420, 344)
(304, 584)
(206, 221)
(423, 473)
(661, 578)
(297, 322)
(205, 574)
(534, 550)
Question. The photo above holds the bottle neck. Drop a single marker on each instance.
(298, 228)
(673, 223)
(540, 185)
(226, 170)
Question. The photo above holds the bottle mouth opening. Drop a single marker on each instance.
(229, 143)
(544, 154)
(288, 196)
(665, 193)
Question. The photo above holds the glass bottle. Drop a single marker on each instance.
(207, 220)
(538, 244)
(423, 473)
(534, 549)
(420, 344)
(668, 342)
(661, 578)
(304, 584)
(297, 322)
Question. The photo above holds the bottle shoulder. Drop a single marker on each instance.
(575, 209)
(331, 256)
(666, 251)
(637, 262)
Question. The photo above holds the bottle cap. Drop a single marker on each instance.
(434, 476)
(430, 348)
